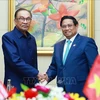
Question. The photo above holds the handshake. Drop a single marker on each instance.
(42, 77)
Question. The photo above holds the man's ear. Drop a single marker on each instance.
(15, 21)
(77, 26)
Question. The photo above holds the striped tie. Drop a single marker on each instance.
(66, 51)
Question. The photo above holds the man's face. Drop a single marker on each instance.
(23, 20)
(68, 28)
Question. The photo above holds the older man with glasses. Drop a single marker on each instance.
(20, 52)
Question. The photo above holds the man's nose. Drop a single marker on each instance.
(67, 27)
(25, 21)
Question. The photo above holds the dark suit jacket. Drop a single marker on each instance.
(20, 58)
(73, 74)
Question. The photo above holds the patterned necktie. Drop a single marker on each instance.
(66, 51)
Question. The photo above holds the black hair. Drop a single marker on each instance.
(69, 17)
(20, 9)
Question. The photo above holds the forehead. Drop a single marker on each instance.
(67, 21)
(23, 13)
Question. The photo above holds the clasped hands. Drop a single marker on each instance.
(42, 77)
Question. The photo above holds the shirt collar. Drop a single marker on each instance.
(72, 39)
(20, 34)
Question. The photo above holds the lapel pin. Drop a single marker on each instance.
(74, 45)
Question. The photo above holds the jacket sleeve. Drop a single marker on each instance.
(91, 51)
(14, 60)
(52, 70)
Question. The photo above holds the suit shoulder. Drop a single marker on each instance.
(32, 36)
(85, 38)
(87, 41)
(8, 34)
(60, 42)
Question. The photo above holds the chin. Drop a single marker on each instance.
(26, 29)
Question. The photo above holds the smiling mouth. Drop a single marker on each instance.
(25, 26)
(66, 32)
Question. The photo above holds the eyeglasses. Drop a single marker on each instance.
(69, 26)
(22, 19)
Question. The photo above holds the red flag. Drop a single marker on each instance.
(11, 91)
(92, 85)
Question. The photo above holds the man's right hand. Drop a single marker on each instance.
(42, 77)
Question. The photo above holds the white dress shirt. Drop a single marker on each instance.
(65, 45)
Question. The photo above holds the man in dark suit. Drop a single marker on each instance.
(72, 70)
(20, 52)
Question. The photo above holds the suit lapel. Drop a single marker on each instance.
(73, 46)
(61, 50)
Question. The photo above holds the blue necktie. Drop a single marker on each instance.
(66, 51)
